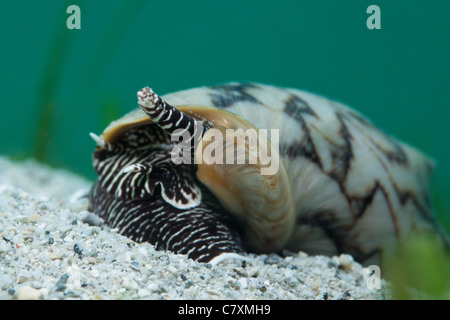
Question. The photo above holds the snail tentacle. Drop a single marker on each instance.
(171, 120)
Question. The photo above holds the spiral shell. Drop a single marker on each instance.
(341, 185)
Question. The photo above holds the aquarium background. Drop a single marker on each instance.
(57, 85)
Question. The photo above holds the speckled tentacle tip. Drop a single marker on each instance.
(341, 185)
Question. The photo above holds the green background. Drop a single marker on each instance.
(57, 85)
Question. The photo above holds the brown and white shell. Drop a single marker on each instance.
(343, 186)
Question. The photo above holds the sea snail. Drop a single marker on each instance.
(339, 184)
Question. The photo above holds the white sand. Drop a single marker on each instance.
(52, 248)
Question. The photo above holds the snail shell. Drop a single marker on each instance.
(341, 185)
